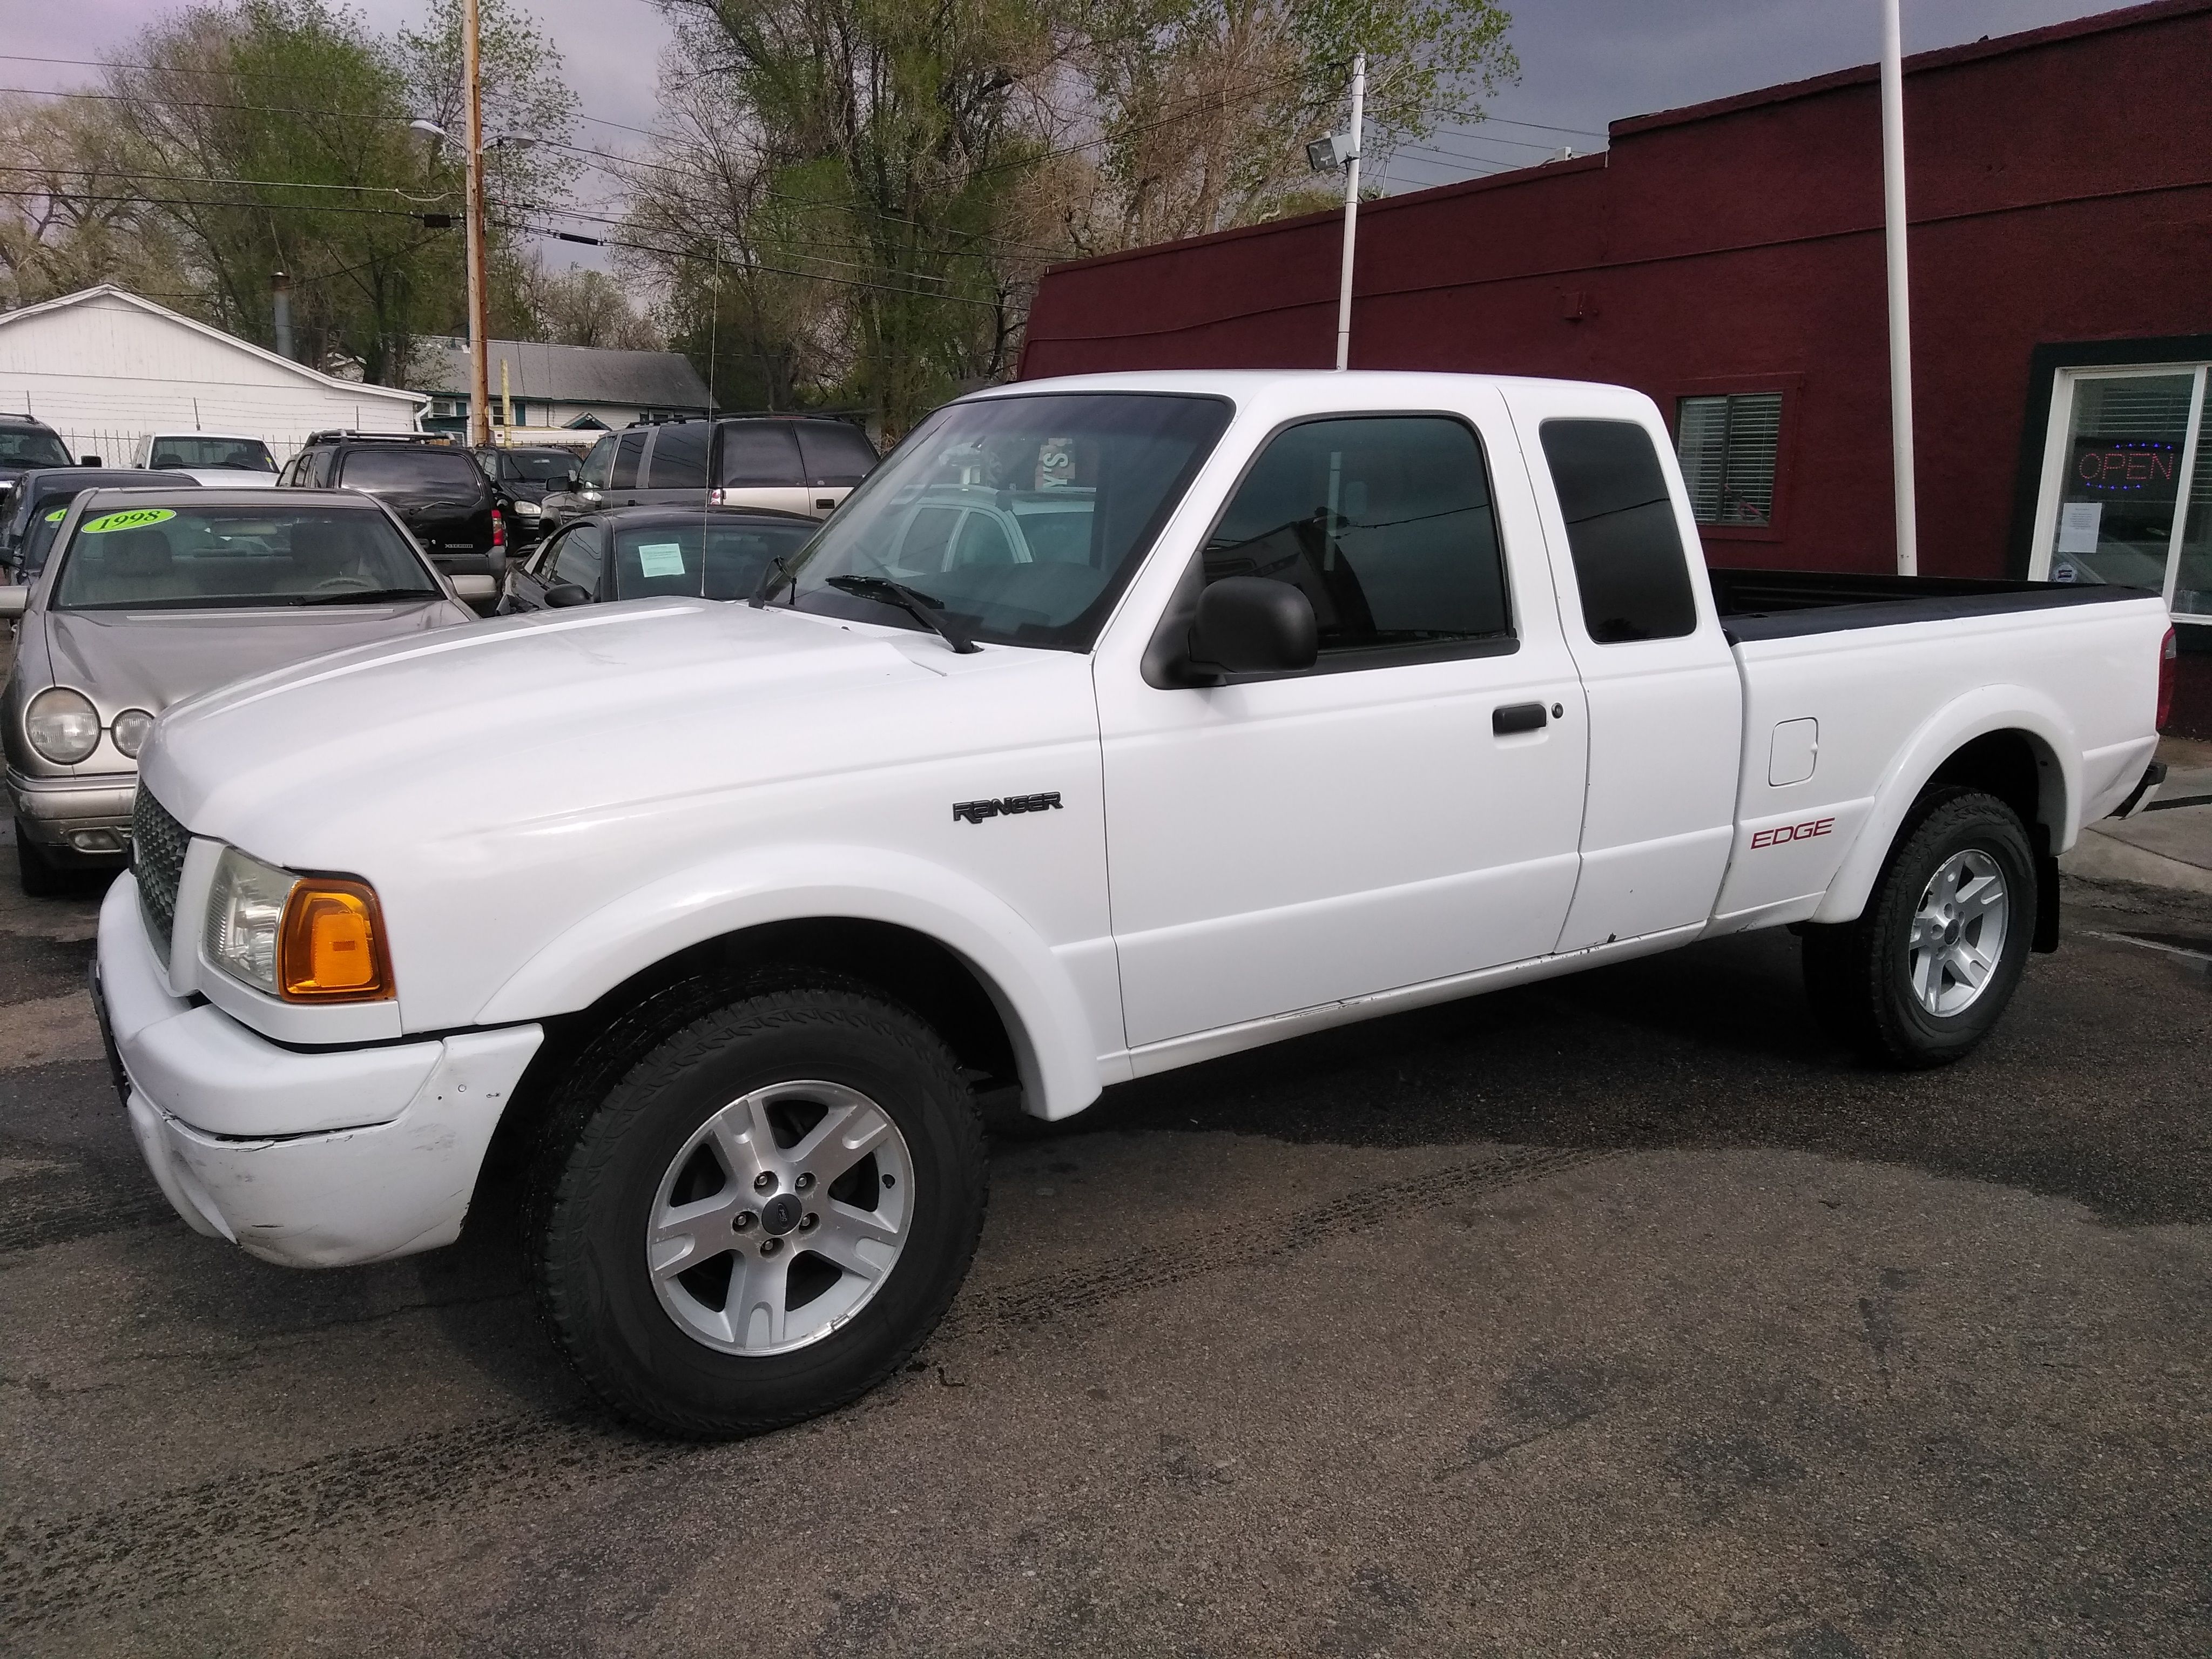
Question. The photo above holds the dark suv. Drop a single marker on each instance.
(438, 491)
(788, 463)
(26, 443)
(30, 513)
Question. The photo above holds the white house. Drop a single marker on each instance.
(104, 368)
(576, 388)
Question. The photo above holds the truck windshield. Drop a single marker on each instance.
(175, 558)
(1022, 516)
(24, 446)
(189, 451)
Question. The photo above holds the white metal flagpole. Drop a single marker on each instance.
(1900, 304)
(1350, 212)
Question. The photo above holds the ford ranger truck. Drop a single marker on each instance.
(1114, 724)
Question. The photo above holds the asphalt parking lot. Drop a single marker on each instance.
(1615, 1316)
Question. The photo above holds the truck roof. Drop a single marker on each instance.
(1358, 385)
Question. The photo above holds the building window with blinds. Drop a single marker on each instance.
(1728, 446)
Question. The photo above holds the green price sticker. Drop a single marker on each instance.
(136, 518)
(57, 515)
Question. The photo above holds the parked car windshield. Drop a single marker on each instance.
(541, 465)
(687, 559)
(237, 454)
(949, 514)
(145, 558)
(26, 445)
(447, 471)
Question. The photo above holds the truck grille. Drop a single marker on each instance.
(157, 854)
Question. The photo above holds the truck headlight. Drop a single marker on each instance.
(62, 724)
(305, 939)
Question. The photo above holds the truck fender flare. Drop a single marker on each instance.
(1054, 1048)
(1986, 709)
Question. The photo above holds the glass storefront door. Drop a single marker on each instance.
(2127, 487)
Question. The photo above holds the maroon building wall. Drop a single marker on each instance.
(2060, 191)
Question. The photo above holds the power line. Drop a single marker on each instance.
(97, 173)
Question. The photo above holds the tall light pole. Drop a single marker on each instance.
(1900, 302)
(479, 312)
(1341, 150)
(1351, 213)
(472, 153)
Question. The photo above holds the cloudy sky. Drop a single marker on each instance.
(1583, 62)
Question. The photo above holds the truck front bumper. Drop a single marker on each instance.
(209, 1099)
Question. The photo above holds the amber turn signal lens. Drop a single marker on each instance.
(331, 948)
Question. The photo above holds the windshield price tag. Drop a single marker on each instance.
(660, 558)
(136, 518)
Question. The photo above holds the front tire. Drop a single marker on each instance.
(1923, 974)
(765, 1216)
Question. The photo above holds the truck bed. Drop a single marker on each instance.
(1770, 605)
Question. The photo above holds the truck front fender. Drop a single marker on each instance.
(1055, 1049)
(1984, 710)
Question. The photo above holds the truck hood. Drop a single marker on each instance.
(230, 477)
(150, 659)
(479, 744)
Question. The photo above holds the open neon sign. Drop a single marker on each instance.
(2124, 466)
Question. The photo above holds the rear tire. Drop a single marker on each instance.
(1925, 972)
(40, 877)
(686, 1221)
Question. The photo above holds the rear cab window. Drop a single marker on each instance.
(446, 470)
(679, 457)
(836, 456)
(1623, 537)
(758, 456)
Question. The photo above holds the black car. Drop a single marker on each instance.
(788, 463)
(24, 443)
(439, 492)
(526, 477)
(655, 552)
(35, 508)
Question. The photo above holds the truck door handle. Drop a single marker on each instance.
(1517, 717)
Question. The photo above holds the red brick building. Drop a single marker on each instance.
(1727, 259)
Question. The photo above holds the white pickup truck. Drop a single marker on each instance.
(1113, 725)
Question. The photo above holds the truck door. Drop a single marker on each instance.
(1666, 708)
(1405, 810)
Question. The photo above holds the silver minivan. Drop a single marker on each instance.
(791, 464)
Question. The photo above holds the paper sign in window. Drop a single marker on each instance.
(2078, 523)
(660, 558)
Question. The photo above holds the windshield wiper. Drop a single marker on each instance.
(766, 585)
(365, 596)
(916, 604)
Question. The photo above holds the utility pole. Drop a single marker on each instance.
(1351, 211)
(1900, 304)
(479, 319)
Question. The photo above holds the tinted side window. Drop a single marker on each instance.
(679, 457)
(759, 456)
(628, 448)
(579, 558)
(837, 455)
(1384, 523)
(1621, 532)
(596, 463)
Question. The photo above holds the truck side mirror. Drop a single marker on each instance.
(1251, 625)
(88, 460)
(561, 595)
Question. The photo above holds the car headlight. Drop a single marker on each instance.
(305, 939)
(62, 724)
(131, 729)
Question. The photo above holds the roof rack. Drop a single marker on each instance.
(334, 433)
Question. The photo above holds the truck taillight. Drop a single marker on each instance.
(498, 529)
(2166, 654)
